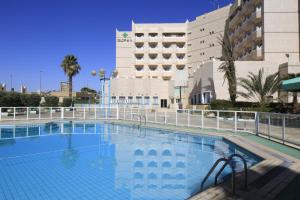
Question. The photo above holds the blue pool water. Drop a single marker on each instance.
(77, 160)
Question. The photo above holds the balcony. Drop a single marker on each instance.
(140, 39)
(167, 61)
(235, 20)
(180, 50)
(180, 67)
(140, 74)
(153, 61)
(155, 73)
(139, 50)
(154, 50)
(180, 61)
(254, 54)
(167, 75)
(139, 61)
(154, 39)
(168, 50)
(174, 39)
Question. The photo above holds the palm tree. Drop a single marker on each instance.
(71, 68)
(228, 66)
(259, 87)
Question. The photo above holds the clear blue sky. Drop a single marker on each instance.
(36, 34)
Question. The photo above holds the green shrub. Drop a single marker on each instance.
(30, 100)
(10, 99)
(51, 101)
(221, 105)
(67, 102)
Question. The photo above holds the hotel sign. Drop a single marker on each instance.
(124, 38)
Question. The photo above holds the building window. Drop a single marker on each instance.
(122, 99)
(206, 97)
(130, 99)
(199, 98)
(139, 99)
(155, 100)
(113, 99)
(147, 100)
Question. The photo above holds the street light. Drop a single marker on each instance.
(41, 82)
(102, 79)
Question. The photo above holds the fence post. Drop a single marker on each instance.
(283, 129)
(155, 120)
(84, 113)
(269, 126)
(131, 113)
(39, 112)
(257, 122)
(188, 118)
(146, 115)
(235, 121)
(218, 120)
(27, 113)
(165, 117)
(62, 112)
(124, 113)
(117, 113)
(106, 113)
(14, 113)
(95, 112)
(202, 119)
(176, 117)
(73, 113)
(51, 113)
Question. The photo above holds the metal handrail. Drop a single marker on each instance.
(227, 161)
(211, 171)
(225, 164)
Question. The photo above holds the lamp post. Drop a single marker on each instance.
(103, 79)
(41, 82)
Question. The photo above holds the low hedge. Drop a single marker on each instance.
(14, 99)
(51, 101)
(251, 106)
(67, 102)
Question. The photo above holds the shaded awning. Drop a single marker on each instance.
(291, 84)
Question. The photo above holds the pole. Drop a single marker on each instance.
(41, 82)
(11, 83)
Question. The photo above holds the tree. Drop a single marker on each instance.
(51, 101)
(259, 87)
(88, 90)
(295, 93)
(71, 68)
(228, 66)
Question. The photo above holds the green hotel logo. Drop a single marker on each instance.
(125, 35)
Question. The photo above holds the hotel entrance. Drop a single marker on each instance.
(163, 103)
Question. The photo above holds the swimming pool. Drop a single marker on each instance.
(87, 160)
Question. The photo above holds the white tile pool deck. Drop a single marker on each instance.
(265, 180)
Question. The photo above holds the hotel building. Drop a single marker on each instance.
(159, 64)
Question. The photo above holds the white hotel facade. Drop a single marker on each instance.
(159, 64)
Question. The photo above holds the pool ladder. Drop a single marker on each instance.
(140, 118)
(227, 161)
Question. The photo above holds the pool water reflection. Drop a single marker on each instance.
(77, 160)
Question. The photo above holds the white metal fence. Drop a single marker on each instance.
(280, 127)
